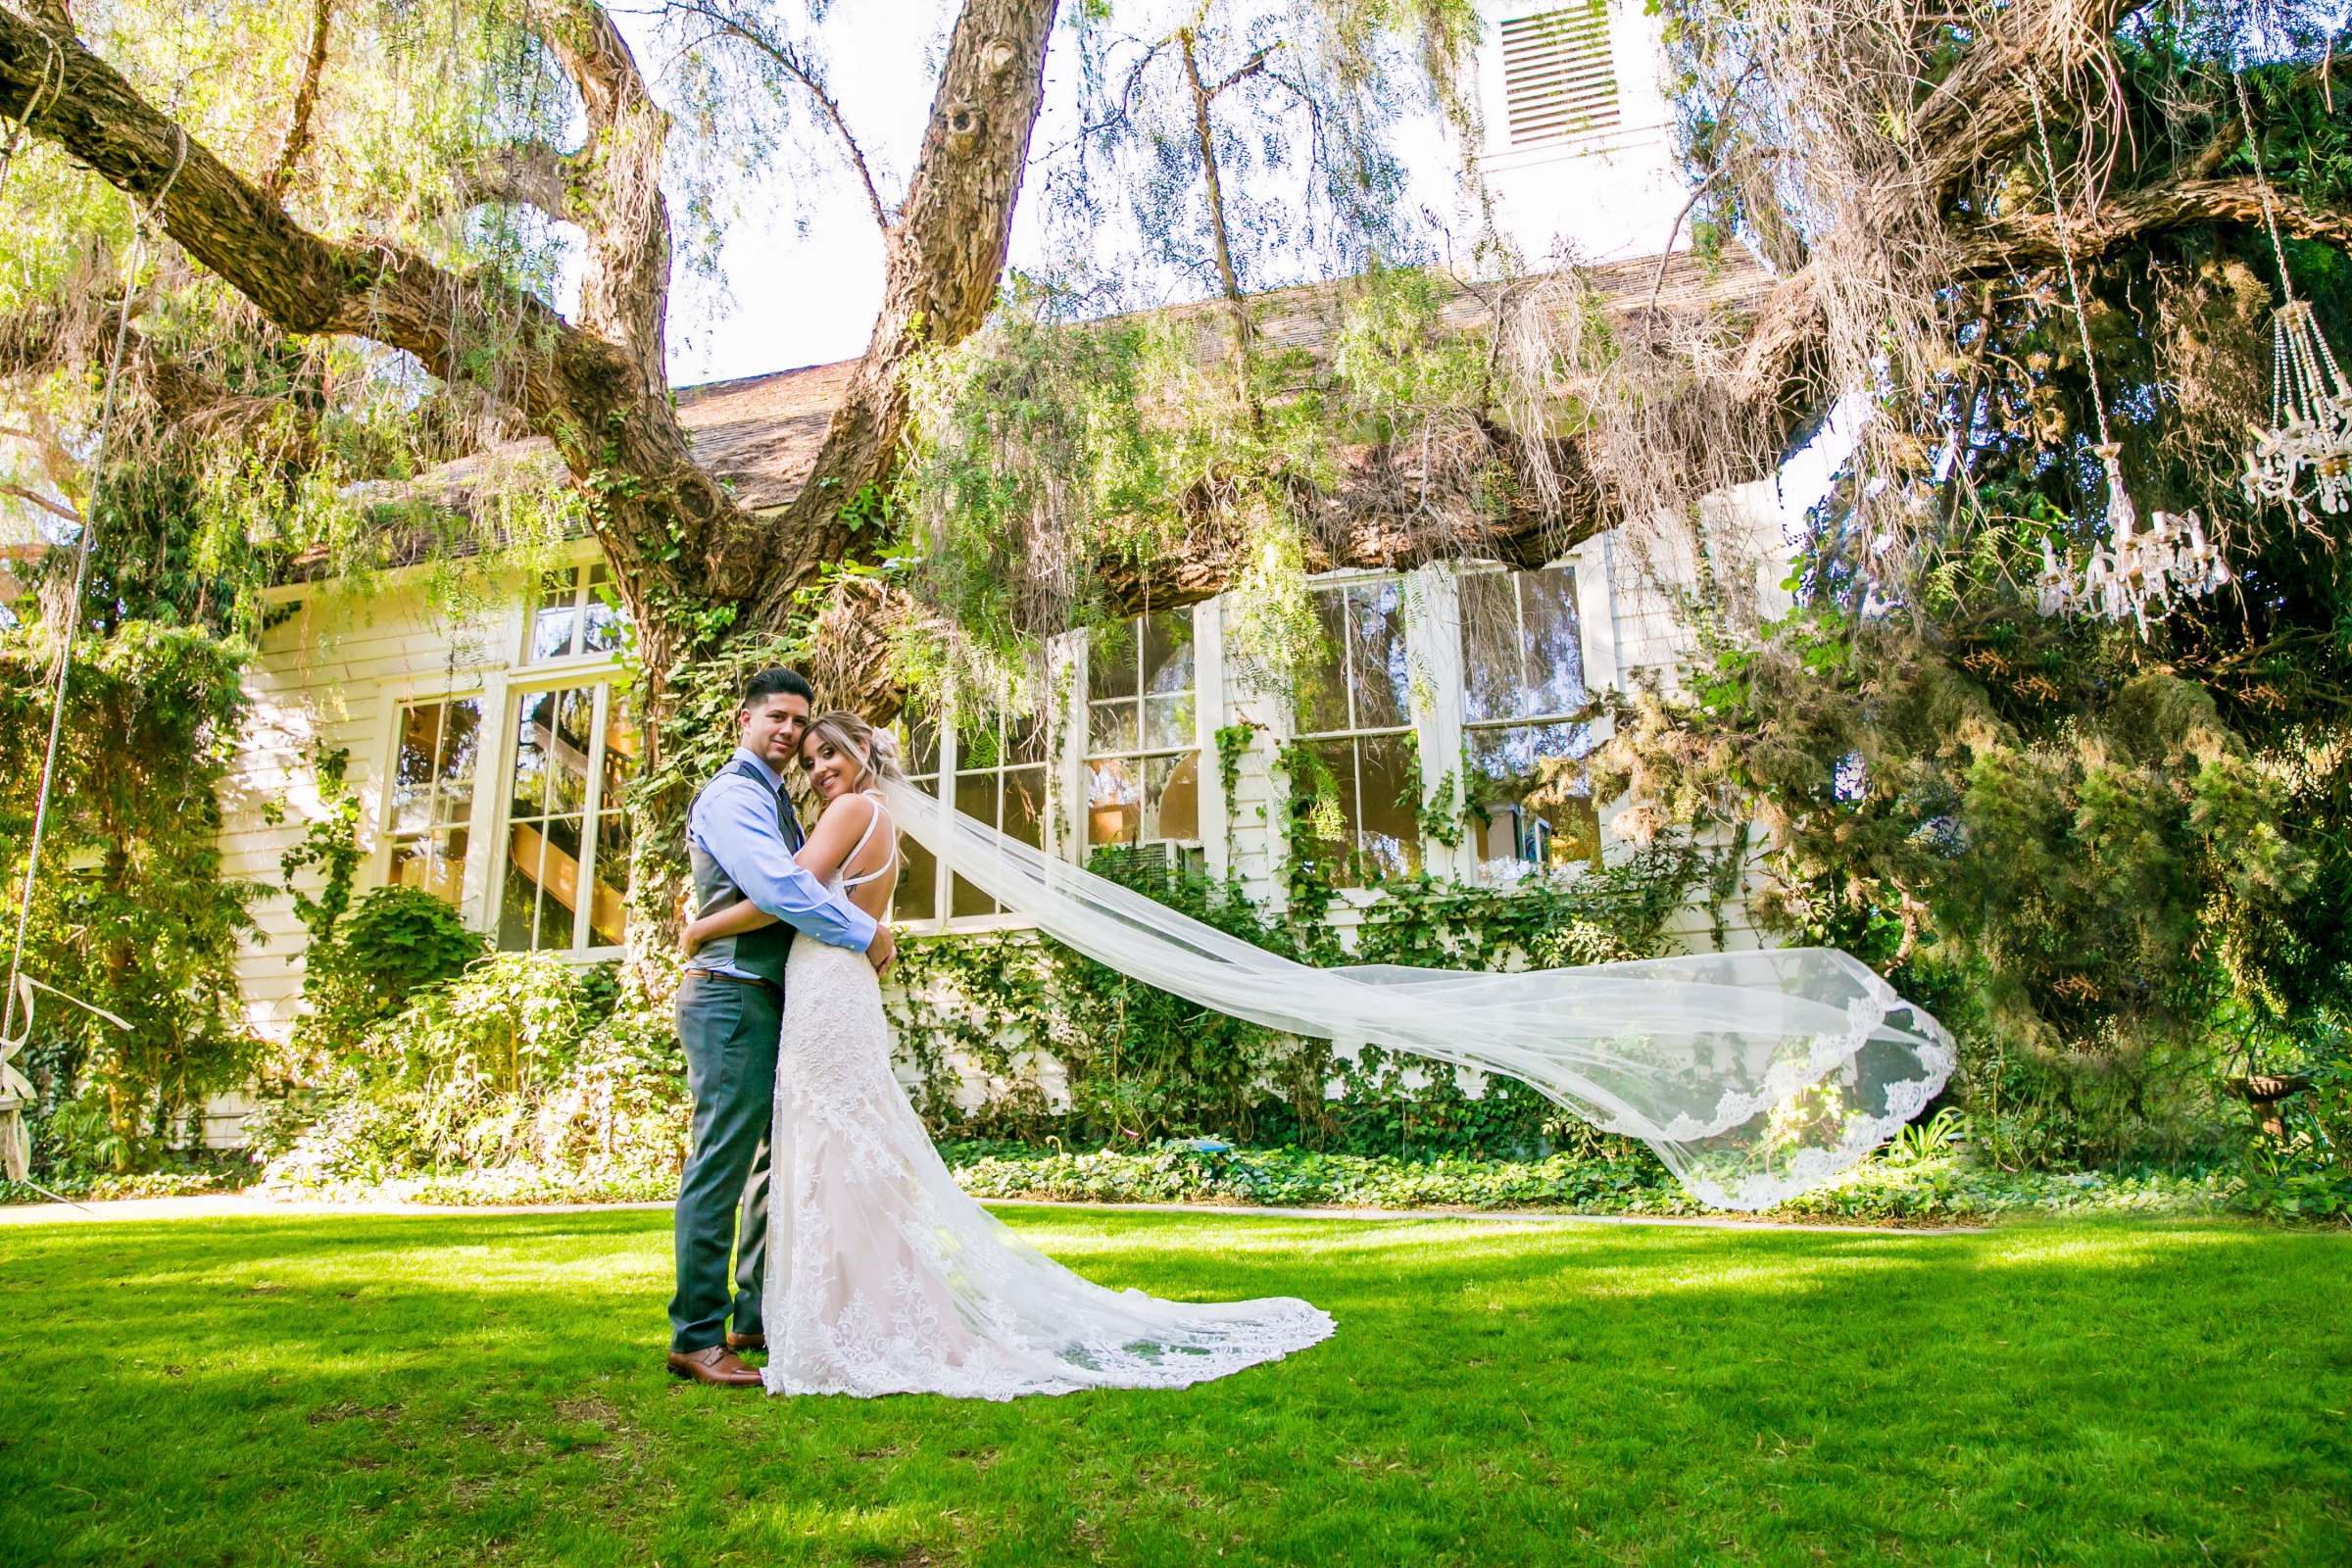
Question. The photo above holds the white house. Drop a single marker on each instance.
(490, 755)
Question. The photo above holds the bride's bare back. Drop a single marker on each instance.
(869, 873)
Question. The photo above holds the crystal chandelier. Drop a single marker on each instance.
(2305, 456)
(2169, 558)
(2138, 567)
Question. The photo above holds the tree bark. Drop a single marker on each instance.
(941, 261)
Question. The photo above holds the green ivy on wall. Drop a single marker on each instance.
(1137, 1063)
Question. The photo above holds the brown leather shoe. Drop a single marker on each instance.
(713, 1364)
(747, 1341)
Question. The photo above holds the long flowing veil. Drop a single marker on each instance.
(1754, 1075)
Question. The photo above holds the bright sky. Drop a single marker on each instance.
(803, 259)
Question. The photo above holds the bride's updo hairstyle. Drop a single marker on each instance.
(853, 735)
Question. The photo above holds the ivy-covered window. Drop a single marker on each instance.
(566, 875)
(1528, 794)
(1354, 774)
(432, 799)
(1143, 751)
(578, 612)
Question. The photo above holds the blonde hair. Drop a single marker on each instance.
(877, 749)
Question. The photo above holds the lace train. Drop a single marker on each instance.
(885, 1277)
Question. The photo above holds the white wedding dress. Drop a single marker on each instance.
(884, 1277)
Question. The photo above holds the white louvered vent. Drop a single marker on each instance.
(1556, 78)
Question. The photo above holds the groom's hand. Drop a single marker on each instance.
(882, 950)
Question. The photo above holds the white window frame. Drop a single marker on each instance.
(941, 921)
(1420, 595)
(1075, 657)
(602, 679)
(389, 836)
(1467, 864)
(580, 569)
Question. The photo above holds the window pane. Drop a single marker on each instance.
(920, 738)
(1531, 803)
(1389, 818)
(1172, 789)
(976, 795)
(1323, 799)
(1556, 654)
(979, 743)
(1377, 672)
(1491, 666)
(621, 743)
(553, 625)
(1025, 805)
(1114, 802)
(1110, 727)
(1167, 722)
(572, 716)
(1323, 688)
(518, 896)
(1522, 645)
(414, 770)
(461, 748)
(608, 915)
(1024, 737)
(603, 626)
(534, 731)
(1111, 662)
(435, 863)
(1168, 651)
(917, 897)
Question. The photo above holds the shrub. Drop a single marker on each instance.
(521, 1061)
(395, 944)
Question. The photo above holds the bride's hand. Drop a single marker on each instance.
(688, 942)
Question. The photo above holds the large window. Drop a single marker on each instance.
(1357, 787)
(1529, 798)
(1000, 780)
(577, 613)
(989, 764)
(565, 874)
(431, 798)
(1143, 754)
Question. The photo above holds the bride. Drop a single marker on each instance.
(883, 1276)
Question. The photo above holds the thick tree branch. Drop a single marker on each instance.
(526, 175)
(297, 139)
(600, 400)
(2026, 239)
(943, 261)
(624, 283)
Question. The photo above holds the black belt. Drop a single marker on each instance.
(731, 979)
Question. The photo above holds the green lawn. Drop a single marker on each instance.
(489, 1389)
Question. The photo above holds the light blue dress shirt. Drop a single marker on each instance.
(735, 823)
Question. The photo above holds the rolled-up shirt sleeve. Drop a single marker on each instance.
(735, 822)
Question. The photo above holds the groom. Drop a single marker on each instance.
(741, 835)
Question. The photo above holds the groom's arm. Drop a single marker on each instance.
(737, 824)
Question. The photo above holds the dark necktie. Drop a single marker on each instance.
(789, 820)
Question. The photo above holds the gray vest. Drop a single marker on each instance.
(762, 952)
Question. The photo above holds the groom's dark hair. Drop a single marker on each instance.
(775, 678)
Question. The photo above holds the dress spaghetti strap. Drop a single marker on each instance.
(873, 819)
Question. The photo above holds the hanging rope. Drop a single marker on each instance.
(2066, 254)
(13, 1143)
